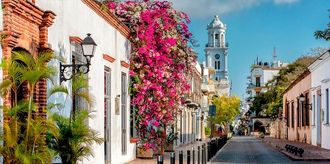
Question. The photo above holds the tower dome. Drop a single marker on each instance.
(216, 23)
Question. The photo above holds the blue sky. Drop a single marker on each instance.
(254, 27)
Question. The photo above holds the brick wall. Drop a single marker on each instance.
(26, 26)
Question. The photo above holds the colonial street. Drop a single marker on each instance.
(250, 150)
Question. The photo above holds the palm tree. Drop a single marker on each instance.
(76, 138)
(24, 137)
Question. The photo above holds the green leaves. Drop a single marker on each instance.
(227, 108)
(23, 133)
(75, 140)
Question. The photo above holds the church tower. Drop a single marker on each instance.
(216, 55)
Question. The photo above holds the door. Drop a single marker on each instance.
(107, 114)
(318, 120)
(123, 113)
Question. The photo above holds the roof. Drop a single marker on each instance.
(297, 80)
(319, 60)
(216, 23)
(111, 18)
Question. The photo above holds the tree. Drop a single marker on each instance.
(227, 108)
(76, 138)
(323, 34)
(161, 58)
(24, 136)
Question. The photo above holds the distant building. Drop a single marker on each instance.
(189, 123)
(216, 53)
(261, 74)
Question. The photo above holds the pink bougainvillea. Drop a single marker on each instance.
(160, 60)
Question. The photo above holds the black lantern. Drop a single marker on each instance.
(302, 99)
(67, 71)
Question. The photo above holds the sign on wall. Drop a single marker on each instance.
(212, 110)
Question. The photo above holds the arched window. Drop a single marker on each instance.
(215, 64)
(216, 78)
(218, 64)
(216, 36)
(217, 40)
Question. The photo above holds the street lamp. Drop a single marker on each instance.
(302, 98)
(67, 71)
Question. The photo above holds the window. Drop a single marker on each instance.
(257, 81)
(133, 133)
(314, 109)
(307, 109)
(303, 113)
(327, 105)
(216, 36)
(123, 113)
(287, 106)
(292, 114)
(78, 58)
(107, 113)
(215, 64)
(218, 64)
(217, 40)
(298, 114)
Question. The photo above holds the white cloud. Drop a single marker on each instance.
(207, 8)
(285, 1)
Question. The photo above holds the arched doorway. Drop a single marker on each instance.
(259, 127)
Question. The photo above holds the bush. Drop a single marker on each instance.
(207, 131)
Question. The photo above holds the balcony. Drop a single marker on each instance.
(250, 86)
(217, 45)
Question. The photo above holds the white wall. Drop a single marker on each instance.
(74, 18)
(320, 70)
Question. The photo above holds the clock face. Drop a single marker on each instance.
(217, 56)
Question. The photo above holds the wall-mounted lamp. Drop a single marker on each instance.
(67, 71)
(302, 98)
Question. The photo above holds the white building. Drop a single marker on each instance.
(320, 86)
(189, 122)
(216, 53)
(261, 74)
(108, 76)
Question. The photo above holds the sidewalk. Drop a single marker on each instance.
(183, 148)
(312, 153)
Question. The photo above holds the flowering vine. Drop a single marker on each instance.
(160, 60)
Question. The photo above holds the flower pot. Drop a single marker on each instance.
(144, 153)
(169, 147)
(134, 140)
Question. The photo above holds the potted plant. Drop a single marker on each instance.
(169, 145)
(144, 152)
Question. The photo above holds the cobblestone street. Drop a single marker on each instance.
(251, 150)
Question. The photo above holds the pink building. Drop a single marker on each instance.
(297, 124)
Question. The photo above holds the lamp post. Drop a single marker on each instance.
(68, 71)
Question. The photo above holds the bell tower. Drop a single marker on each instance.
(216, 54)
(216, 49)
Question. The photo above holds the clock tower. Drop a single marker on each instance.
(216, 53)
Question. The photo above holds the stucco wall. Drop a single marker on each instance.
(320, 82)
(297, 133)
(75, 18)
